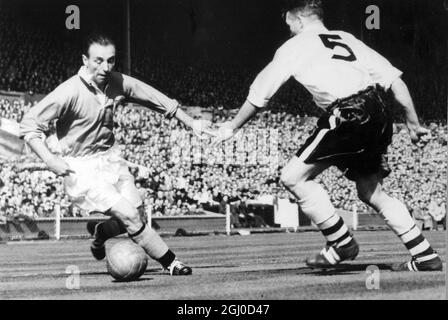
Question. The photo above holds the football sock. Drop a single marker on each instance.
(314, 201)
(150, 241)
(417, 245)
(395, 214)
(167, 259)
(335, 231)
(398, 218)
(109, 229)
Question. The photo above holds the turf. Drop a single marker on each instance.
(258, 266)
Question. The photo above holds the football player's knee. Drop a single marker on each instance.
(134, 218)
(289, 179)
(130, 217)
(364, 196)
(370, 197)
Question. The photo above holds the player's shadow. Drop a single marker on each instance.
(217, 266)
(164, 272)
(154, 271)
(345, 268)
(99, 273)
(136, 280)
(94, 273)
(105, 273)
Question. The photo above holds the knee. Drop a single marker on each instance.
(128, 215)
(370, 197)
(134, 217)
(365, 196)
(132, 220)
(289, 179)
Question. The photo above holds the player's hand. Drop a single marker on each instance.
(418, 133)
(203, 126)
(59, 166)
(225, 132)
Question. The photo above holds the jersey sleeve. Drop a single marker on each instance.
(270, 79)
(36, 121)
(380, 69)
(145, 95)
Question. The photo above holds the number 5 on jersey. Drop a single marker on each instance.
(329, 41)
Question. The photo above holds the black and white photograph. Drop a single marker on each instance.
(245, 152)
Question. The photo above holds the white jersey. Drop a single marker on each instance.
(329, 64)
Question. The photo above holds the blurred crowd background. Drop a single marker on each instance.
(179, 173)
(176, 172)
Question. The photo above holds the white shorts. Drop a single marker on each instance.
(101, 180)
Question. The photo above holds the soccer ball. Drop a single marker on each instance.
(126, 261)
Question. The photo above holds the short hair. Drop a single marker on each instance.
(100, 39)
(305, 7)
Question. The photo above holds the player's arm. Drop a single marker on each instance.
(198, 126)
(403, 97)
(386, 75)
(53, 162)
(147, 96)
(246, 112)
(36, 121)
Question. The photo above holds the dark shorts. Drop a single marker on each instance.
(353, 135)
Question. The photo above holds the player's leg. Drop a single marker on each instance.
(147, 238)
(398, 218)
(91, 193)
(314, 201)
(116, 226)
(105, 230)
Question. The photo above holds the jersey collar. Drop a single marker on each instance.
(84, 75)
(87, 79)
(315, 27)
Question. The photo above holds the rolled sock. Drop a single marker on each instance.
(167, 259)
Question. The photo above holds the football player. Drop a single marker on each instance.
(96, 177)
(350, 81)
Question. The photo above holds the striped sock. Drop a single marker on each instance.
(417, 245)
(335, 231)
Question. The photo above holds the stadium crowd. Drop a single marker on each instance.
(13, 109)
(178, 173)
(32, 59)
